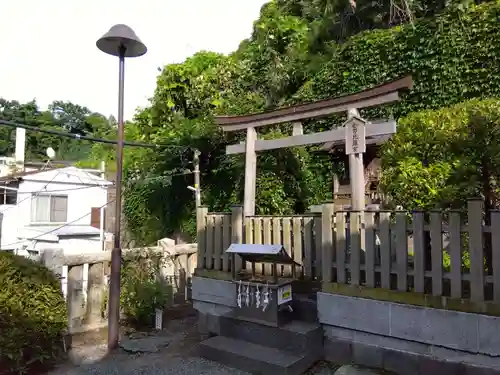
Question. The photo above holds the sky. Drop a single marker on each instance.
(49, 52)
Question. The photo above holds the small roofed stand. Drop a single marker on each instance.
(263, 300)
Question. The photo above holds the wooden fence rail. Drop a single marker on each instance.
(439, 253)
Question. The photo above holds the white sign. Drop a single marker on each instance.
(284, 294)
(355, 136)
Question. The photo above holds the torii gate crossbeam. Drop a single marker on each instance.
(354, 132)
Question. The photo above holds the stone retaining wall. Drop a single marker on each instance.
(402, 338)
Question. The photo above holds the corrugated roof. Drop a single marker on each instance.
(20, 175)
(85, 177)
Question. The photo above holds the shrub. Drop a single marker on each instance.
(33, 314)
(143, 289)
(439, 159)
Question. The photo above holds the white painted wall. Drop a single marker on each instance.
(72, 246)
(81, 197)
(9, 224)
(80, 200)
(84, 192)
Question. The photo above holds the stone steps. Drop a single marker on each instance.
(290, 349)
(254, 358)
(296, 337)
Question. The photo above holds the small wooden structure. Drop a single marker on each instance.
(341, 184)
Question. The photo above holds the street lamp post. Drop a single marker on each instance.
(122, 42)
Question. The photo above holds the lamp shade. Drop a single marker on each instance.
(121, 36)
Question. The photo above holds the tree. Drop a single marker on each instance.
(299, 51)
(181, 114)
(61, 116)
(71, 117)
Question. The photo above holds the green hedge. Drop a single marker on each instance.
(33, 314)
(440, 158)
(452, 58)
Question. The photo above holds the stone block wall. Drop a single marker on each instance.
(406, 339)
(212, 299)
(417, 339)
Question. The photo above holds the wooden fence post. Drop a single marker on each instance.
(386, 242)
(341, 247)
(236, 235)
(402, 251)
(419, 251)
(455, 249)
(327, 241)
(436, 221)
(495, 247)
(201, 215)
(476, 253)
(370, 254)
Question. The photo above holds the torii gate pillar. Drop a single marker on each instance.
(355, 147)
(250, 172)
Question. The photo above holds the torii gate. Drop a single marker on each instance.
(354, 132)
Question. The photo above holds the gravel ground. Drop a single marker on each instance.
(178, 358)
(152, 364)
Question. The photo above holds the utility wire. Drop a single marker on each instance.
(43, 189)
(35, 194)
(73, 221)
(56, 229)
(83, 137)
(87, 186)
(46, 191)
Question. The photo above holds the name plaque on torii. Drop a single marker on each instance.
(353, 132)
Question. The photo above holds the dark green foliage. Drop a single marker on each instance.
(440, 158)
(452, 58)
(301, 51)
(33, 314)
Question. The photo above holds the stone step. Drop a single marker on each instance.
(295, 337)
(253, 358)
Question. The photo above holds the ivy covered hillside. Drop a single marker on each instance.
(305, 50)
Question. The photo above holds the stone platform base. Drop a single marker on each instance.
(342, 346)
(405, 339)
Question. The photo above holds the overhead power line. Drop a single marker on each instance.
(22, 241)
(54, 229)
(44, 190)
(82, 137)
(34, 194)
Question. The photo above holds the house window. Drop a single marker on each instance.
(49, 208)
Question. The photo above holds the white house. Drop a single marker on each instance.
(53, 208)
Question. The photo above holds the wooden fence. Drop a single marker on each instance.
(438, 253)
